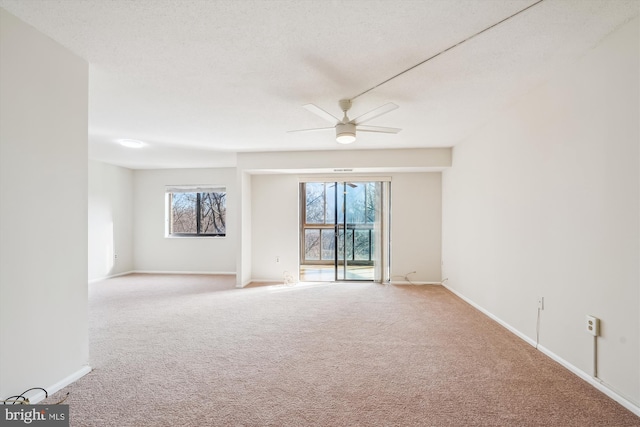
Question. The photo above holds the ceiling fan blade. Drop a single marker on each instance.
(309, 130)
(374, 113)
(380, 129)
(320, 112)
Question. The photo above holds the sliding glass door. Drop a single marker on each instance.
(342, 231)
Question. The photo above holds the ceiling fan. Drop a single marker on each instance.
(346, 128)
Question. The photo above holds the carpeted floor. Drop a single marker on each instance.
(194, 351)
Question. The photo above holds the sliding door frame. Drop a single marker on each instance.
(382, 256)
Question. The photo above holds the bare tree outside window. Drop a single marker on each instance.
(315, 203)
(183, 213)
(198, 214)
(213, 212)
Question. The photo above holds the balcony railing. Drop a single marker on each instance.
(320, 244)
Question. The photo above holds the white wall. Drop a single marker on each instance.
(415, 226)
(152, 251)
(110, 220)
(43, 210)
(544, 201)
(275, 226)
(243, 254)
(256, 257)
(362, 160)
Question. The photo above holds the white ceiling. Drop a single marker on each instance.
(201, 80)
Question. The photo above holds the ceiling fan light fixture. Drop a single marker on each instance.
(346, 128)
(345, 133)
(345, 138)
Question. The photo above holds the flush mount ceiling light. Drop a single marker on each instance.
(131, 143)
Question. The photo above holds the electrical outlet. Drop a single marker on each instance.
(592, 325)
(541, 303)
(277, 259)
(115, 256)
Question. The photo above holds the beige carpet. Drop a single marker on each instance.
(194, 351)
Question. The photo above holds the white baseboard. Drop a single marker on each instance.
(219, 273)
(265, 281)
(406, 282)
(492, 317)
(250, 281)
(61, 384)
(331, 281)
(110, 276)
(595, 382)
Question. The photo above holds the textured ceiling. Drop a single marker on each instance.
(201, 80)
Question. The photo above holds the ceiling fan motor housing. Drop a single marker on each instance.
(345, 133)
(345, 104)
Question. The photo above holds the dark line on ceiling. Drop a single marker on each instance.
(448, 49)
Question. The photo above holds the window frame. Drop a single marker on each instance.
(198, 191)
(320, 226)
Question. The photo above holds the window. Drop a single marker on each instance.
(195, 211)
